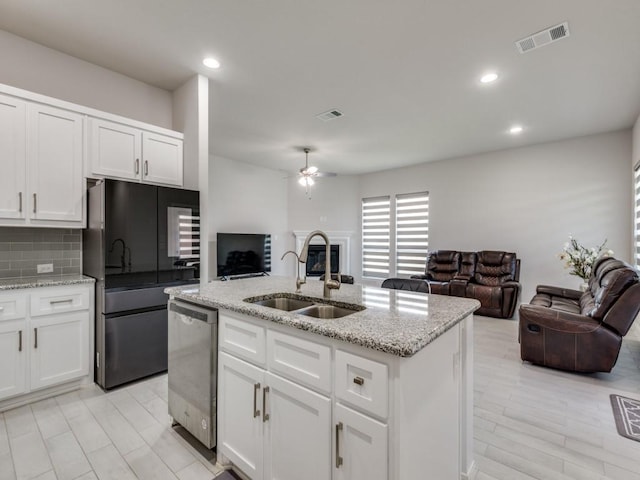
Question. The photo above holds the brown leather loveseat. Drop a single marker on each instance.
(582, 332)
(490, 277)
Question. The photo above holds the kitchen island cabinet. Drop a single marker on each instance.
(383, 393)
(271, 427)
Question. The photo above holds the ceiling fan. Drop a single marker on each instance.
(308, 173)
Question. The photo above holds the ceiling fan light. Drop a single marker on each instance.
(311, 170)
(306, 181)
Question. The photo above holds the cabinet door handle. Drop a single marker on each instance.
(339, 427)
(137, 166)
(256, 412)
(19, 340)
(358, 381)
(35, 338)
(20, 202)
(265, 415)
(35, 202)
(66, 300)
(146, 168)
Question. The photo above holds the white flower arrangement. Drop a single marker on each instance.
(580, 259)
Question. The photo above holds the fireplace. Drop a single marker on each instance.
(339, 239)
(316, 260)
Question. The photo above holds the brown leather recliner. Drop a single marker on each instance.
(488, 276)
(581, 332)
(493, 280)
(442, 267)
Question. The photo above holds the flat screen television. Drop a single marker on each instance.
(243, 254)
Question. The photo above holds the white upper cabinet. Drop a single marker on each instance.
(162, 159)
(41, 153)
(45, 157)
(12, 157)
(128, 153)
(115, 151)
(54, 150)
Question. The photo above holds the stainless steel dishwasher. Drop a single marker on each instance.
(193, 369)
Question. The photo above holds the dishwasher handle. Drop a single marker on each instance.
(194, 312)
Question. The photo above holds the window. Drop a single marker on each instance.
(375, 236)
(412, 232)
(637, 214)
(410, 235)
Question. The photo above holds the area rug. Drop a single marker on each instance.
(626, 411)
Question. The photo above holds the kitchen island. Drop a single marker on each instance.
(382, 393)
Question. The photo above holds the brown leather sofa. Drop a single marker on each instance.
(582, 332)
(490, 277)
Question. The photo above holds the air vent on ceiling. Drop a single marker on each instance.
(544, 37)
(329, 115)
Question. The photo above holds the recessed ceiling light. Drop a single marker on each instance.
(515, 130)
(489, 77)
(211, 62)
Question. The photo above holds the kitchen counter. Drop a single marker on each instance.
(43, 281)
(396, 322)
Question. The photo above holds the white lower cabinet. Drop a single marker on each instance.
(239, 416)
(297, 431)
(13, 366)
(269, 427)
(360, 446)
(293, 405)
(60, 348)
(45, 337)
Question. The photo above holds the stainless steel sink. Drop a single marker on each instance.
(309, 307)
(282, 303)
(326, 311)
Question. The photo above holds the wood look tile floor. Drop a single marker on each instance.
(533, 422)
(530, 423)
(88, 434)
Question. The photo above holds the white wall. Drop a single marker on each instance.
(636, 143)
(333, 205)
(244, 198)
(191, 116)
(527, 200)
(30, 66)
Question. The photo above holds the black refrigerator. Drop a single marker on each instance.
(139, 240)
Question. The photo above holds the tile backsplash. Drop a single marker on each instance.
(23, 248)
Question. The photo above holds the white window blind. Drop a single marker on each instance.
(189, 237)
(267, 253)
(183, 234)
(375, 236)
(412, 232)
(637, 214)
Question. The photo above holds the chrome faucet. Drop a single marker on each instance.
(299, 282)
(329, 283)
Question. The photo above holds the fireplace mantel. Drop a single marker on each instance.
(342, 238)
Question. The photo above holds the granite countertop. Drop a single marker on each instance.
(43, 281)
(397, 322)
